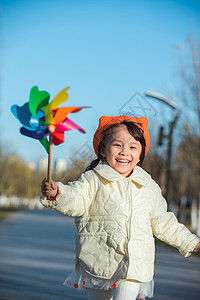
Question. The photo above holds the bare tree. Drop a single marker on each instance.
(190, 81)
(188, 165)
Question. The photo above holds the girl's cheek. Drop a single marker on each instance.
(110, 150)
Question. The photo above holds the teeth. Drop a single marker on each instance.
(123, 161)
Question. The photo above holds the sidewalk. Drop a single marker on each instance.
(37, 250)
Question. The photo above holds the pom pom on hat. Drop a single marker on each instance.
(106, 121)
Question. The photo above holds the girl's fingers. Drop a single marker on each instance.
(47, 189)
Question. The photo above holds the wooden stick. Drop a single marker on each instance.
(49, 160)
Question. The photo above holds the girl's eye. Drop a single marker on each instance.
(117, 145)
(133, 147)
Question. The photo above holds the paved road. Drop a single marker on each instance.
(37, 253)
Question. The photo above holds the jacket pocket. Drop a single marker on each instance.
(93, 253)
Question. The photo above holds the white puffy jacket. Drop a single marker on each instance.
(116, 218)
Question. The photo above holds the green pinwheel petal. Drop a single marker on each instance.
(45, 144)
(38, 100)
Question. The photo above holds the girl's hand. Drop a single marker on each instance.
(197, 248)
(47, 189)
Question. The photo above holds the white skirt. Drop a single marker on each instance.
(125, 291)
(79, 279)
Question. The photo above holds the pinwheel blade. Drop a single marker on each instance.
(38, 100)
(45, 144)
(58, 99)
(22, 113)
(61, 113)
(68, 125)
(57, 138)
(37, 134)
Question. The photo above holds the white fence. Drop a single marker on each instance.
(34, 203)
(15, 202)
(194, 212)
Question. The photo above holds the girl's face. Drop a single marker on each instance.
(122, 151)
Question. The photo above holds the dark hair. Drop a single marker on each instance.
(134, 130)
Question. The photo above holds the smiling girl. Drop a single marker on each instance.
(117, 208)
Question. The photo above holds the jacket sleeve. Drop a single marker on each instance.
(74, 198)
(167, 228)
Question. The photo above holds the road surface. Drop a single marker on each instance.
(37, 251)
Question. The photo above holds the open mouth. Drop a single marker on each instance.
(123, 162)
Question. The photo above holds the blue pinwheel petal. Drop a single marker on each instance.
(23, 114)
(41, 118)
(36, 125)
(41, 115)
(37, 134)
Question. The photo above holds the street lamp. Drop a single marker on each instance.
(169, 136)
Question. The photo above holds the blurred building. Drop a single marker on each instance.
(43, 164)
(32, 165)
(60, 165)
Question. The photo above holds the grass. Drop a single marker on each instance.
(5, 213)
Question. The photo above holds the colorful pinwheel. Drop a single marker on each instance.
(41, 118)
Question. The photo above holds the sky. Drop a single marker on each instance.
(109, 53)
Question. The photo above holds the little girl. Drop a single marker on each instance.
(117, 208)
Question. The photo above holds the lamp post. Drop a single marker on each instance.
(169, 136)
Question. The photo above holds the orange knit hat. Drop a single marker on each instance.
(106, 121)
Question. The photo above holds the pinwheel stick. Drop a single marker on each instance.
(49, 160)
(51, 129)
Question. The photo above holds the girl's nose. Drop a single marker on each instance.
(124, 150)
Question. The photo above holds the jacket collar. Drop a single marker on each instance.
(139, 175)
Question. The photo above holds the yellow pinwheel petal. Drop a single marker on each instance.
(61, 97)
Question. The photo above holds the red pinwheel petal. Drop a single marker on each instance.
(57, 138)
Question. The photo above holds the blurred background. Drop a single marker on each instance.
(119, 57)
